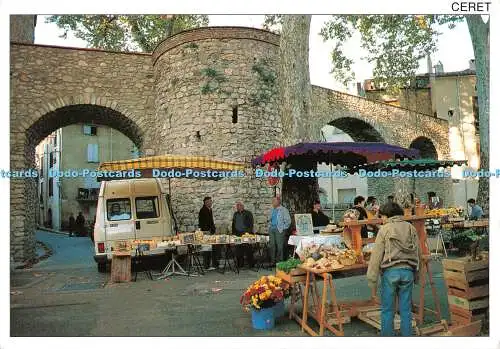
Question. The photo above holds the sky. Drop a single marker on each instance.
(454, 57)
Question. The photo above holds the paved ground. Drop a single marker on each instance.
(66, 296)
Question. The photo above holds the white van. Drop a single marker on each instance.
(131, 209)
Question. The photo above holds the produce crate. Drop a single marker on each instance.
(295, 275)
(468, 289)
(463, 316)
(466, 279)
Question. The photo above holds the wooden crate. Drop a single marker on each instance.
(468, 330)
(461, 316)
(121, 267)
(296, 275)
(469, 305)
(467, 291)
(373, 318)
(466, 279)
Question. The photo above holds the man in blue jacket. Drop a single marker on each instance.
(279, 223)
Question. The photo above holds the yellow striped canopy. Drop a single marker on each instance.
(162, 162)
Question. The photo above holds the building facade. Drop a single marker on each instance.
(448, 96)
(77, 147)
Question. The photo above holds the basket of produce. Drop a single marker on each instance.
(198, 236)
(348, 257)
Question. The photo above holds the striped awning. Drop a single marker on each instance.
(410, 164)
(178, 162)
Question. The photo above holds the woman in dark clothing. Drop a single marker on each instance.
(72, 224)
(318, 217)
(359, 205)
(80, 224)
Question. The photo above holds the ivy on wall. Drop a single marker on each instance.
(266, 82)
(213, 80)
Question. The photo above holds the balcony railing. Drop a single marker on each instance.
(85, 194)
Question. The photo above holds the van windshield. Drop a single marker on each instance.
(118, 209)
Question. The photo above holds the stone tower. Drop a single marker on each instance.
(22, 28)
(216, 96)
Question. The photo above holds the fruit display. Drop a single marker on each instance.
(247, 237)
(451, 212)
(210, 239)
(198, 236)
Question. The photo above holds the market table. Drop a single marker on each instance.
(320, 304)
(334, 319)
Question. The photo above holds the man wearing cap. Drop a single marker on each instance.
(243, 223)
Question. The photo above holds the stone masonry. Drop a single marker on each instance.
(206, 91)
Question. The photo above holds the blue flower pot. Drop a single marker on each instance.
(279, 309)
(263, 319)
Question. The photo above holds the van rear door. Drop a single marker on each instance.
(119, 222)
(148, 217)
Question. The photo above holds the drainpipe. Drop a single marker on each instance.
(462, 133)
(111, 143)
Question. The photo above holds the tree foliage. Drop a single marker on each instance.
(125, 32)
(394, 43)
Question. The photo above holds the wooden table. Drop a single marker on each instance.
(337, 314)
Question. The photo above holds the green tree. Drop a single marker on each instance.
(125, 32)
(395, 44)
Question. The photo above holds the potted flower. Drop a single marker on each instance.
(262, 297)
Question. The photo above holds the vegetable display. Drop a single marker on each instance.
(289, 265)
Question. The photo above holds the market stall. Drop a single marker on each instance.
(185, 167)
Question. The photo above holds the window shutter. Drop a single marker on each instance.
(93, 153)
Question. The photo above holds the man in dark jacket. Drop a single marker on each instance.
(318, 217)
(206, 224)
(243, 223)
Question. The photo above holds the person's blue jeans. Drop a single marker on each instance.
(397, 281)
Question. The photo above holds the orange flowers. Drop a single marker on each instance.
(264, 293)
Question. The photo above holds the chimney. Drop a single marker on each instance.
(472, 64)
(361, 91)
(429, 64)
(439, 69)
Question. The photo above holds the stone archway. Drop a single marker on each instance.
(26, 135)
(358, 130)
(426, 147)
